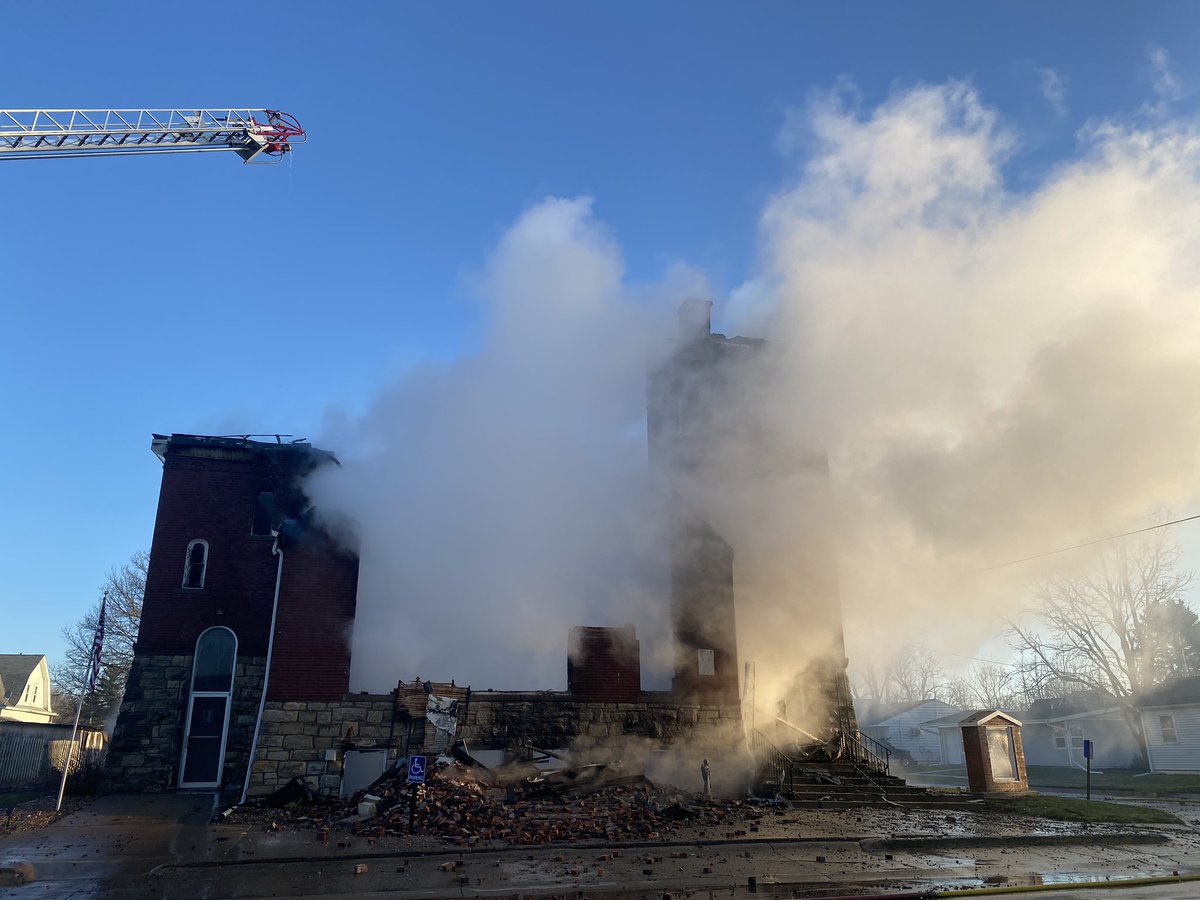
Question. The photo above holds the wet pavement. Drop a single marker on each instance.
(163, 846)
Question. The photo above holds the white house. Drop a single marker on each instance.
(901, 726)
(25, 688)
(1171, 721)
(1056, 727)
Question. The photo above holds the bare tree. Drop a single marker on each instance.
(913, 674)
(1109, 629)
(984, 686)
(125, 586)
(917, 674)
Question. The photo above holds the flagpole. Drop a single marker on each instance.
(70, 751)
(93, 661)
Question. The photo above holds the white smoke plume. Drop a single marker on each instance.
(501, 499)
(993, 373)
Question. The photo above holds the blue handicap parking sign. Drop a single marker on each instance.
(416, 769)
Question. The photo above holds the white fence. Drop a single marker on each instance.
(29, 756)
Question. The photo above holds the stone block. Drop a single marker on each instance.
(280, 715)
(297, 742)
(374, 717)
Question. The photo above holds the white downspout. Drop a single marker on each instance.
(262, 701)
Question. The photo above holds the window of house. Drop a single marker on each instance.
(1060, 740)
(196, 564)
(264, 513)
(35, 687)
(1167, 724)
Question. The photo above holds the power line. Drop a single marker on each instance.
(1111, 537)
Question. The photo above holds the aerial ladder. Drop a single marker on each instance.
(256, 135)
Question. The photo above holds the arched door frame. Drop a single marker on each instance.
(193, 694)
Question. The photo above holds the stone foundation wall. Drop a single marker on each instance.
(296, 737)
(148, 737)
(511, 720)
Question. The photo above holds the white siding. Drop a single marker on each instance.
(1184, 754)
(953, 753)
(904, 732)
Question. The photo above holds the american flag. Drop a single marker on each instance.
(97, 643)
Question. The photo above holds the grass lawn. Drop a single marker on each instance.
(1115, 779)
(1072, 809)
(1070, 777)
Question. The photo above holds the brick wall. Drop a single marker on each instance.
(604, 664)
(210, 488)
(980, 776)
(316, 613)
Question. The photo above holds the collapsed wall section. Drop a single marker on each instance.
(310, 739)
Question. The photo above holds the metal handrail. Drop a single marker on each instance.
(772, 758)
(868, 752)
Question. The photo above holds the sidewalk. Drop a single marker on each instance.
(138, 846)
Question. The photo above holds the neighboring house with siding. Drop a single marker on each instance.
(25, 688)
(1171, 720)
(1055, 728)
(901, 725)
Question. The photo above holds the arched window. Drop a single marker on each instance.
(195, 564)
(203, 758)
(216, 650)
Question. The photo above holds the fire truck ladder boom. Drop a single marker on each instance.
(63, 133)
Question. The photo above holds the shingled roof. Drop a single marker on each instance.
(1173, 692)
(15, 669)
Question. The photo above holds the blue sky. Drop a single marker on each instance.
(192, 294)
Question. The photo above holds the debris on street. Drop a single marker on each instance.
(593, 803)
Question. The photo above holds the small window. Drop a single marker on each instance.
(264, 513)
(706, 662)
(1167, 724)
(196, 564)
(1060, 740)
(35, 687)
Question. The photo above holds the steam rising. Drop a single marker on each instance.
(995, 374)
(992, 373)
(500, 500)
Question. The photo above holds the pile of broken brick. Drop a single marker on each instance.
(456, 806)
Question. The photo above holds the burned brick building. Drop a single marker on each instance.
(245, 590)
(237, 575)
(714, 448)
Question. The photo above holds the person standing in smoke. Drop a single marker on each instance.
(705, 772)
